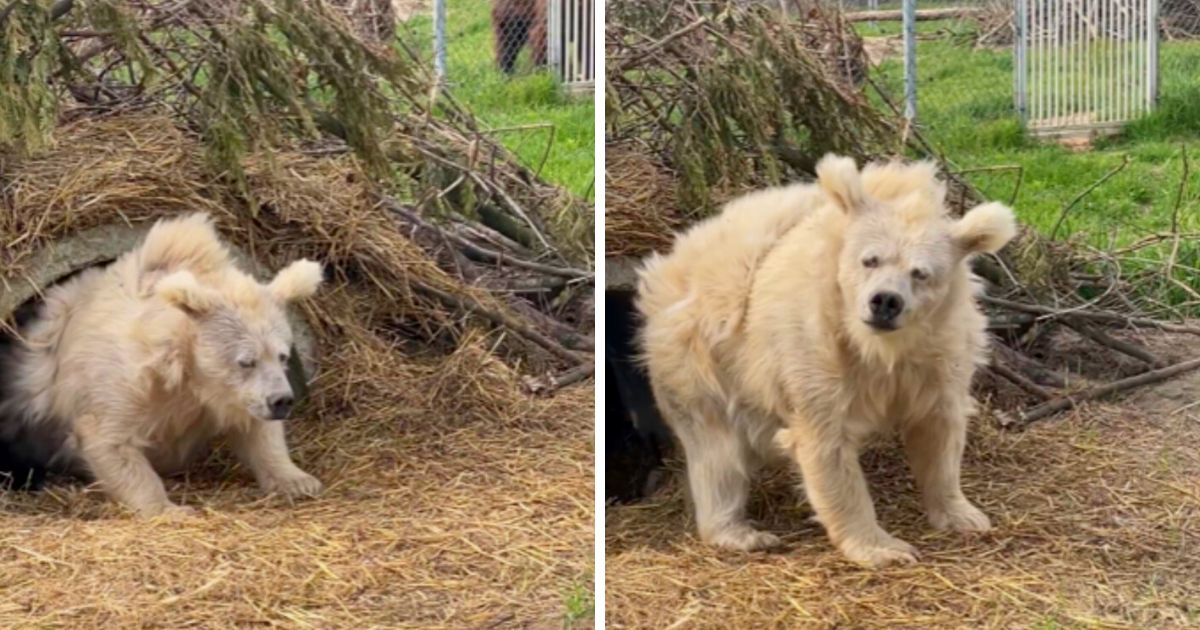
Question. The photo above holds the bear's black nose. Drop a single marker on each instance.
(280, 406)
(885, 308)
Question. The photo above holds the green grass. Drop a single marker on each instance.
(528, 111)
(580, 608)
(966, 109)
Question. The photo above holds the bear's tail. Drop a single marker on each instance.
(188, 242)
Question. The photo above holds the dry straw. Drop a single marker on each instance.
(1096, 513)
(1096, 527)
(455, 498)
(710, 99)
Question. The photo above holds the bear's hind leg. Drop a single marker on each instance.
(510, 38)
(719, 470)
(263, 449)
(121, 467)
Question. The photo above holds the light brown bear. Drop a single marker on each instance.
(803, 319)
(131, 370)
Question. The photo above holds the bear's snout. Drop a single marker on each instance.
(280, 406)
(886, 307)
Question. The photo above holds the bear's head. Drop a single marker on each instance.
(902, 256)
(240, 338)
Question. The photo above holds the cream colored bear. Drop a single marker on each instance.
(131, 370)
(806, 318)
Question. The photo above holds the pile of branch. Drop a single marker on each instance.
(224, 104)
(708, 100)
(1179, 19)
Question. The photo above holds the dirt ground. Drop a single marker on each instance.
(426, 522)
(1097, 525)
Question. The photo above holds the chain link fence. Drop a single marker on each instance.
(1084, 127)
(966, 55)
(498, 57)
(468, 40)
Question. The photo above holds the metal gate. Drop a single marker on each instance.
(1085, 65)
(571, 39)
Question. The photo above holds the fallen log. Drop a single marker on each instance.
(1064, 403)
(922, 15)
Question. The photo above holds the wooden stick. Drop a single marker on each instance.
(507, 321)
(629, 62)
(1062, 216)
(1020, 380)
(1124, 347)
(475, 251)
(923, 15)
(555, 382)
(57, 10)
(1064, 403)
(1029, 367)
(1093, 315)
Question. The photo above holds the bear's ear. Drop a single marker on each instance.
(839, 177)
(984, 229)
(296, 281)
(183, 291)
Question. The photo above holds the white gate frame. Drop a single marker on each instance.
(1084, 66)
(571, 42)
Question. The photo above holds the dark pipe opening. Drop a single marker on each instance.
(23, 465)
(636, 438)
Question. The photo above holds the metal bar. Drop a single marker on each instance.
(1110, 49)
(1122, 79)
(1143, 56)
(439, 39)
(910, 60)
(1152, 54)
(1089, 103)
(1031, 82)
(1072, 57)
(554, 38)
(1020, 69)
(1056, 48)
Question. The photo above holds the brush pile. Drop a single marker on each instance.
(720, 98)
(304, 138)
(1179, 19)
(457, 283)
(710, 99)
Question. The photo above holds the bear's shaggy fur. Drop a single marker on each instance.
(515, 22)
(803, 319)
(129, 371)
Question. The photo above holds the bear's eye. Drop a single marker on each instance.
(920, 274)
(247, 363)
(283, 357)
(871, 262)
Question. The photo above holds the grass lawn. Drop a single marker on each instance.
(528, 110)
(966, 108)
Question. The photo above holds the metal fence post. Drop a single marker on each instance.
(439, 39)
(910, 60)
(1021, 52)
(1152, 54)
(554, 38)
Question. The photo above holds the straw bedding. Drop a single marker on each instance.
(454, 498)
(1097, 520)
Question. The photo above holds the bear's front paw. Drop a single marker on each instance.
(960, 517)
(293, 485)
(741, 537)
(878, 550)
(167, 512)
